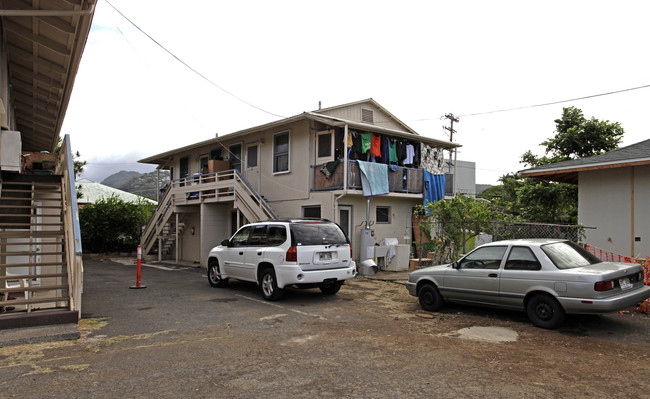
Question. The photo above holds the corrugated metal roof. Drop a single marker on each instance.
(92, 191)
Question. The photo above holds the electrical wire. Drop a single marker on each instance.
(556, 102)
(189, 67)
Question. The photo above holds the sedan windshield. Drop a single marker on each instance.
(568, 255)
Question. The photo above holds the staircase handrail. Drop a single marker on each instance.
(251, 191)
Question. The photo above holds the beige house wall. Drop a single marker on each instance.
(353, 113)
(400, 219)
(215, 227)
(605, 200)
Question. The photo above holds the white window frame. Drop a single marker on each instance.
(389, 215)
(330, 157)
(278, 172)
(320, 210)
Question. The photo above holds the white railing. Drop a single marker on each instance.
(227, 185)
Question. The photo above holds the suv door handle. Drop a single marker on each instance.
(259, 254)
(241, 253)
(493, 275)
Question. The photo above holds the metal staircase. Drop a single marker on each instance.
(226, 186)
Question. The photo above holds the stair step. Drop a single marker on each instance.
(4, 265)
(9, 224)
(36, 288)
(32, 301)
(30, 253)
(30, 276)
(29, 206)
(30, 234)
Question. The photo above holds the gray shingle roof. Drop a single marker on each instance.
(567, 171)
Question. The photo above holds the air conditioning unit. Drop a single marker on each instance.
(10, 150)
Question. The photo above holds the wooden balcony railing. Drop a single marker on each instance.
(403, 180)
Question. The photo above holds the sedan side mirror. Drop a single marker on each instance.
(225, 243)
(455, 265)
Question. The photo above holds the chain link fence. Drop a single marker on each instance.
(507, 231)
(435, 252)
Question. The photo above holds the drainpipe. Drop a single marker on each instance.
(632, 211)
(345, 174)
(345, 158)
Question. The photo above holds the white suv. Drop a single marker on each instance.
(306, 253)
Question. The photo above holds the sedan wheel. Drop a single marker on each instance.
(545, 312)
(430, 298)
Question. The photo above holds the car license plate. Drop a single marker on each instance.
(625, 283)
(325, 256)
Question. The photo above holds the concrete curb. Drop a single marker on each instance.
(30, 335)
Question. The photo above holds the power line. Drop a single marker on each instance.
(189, 67)
(557, 102)
(542, 105)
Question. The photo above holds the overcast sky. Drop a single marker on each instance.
(418, 59)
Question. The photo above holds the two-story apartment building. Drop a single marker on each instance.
(311, 165)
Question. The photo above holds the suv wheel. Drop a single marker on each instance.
(269, 286)
(213, 274)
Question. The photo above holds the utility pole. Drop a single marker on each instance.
(451, 130)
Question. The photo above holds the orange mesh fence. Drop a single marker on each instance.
(608, 256)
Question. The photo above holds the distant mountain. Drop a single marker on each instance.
(143, 184)
(121, 178)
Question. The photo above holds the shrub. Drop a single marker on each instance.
(113, 225)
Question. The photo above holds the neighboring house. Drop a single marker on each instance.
(465, 183)
(40, 246)
(92, 191)
(613, 196)
(302, 166)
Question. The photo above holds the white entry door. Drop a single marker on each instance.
(252, 170)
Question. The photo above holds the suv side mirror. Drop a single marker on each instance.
(225, 243)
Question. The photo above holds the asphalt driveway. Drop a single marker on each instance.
(179, 337)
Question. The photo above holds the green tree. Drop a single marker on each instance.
(450, 224)
(575, 137)
(113, 225)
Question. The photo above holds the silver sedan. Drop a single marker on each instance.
(545, 278)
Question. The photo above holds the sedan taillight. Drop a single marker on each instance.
(292, 254)
(604, 285)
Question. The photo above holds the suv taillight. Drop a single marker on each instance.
(292, 254)
(350, 251)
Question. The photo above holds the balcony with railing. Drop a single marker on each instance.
(329, 177)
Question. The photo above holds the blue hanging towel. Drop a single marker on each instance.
(374, 178)
(434, 187)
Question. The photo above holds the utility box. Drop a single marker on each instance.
(10, 150)
(400, 261)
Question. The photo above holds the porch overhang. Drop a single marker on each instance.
(43, 42)
(569, 174)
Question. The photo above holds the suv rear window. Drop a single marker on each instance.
(317, 234)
